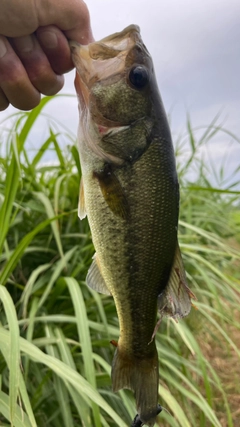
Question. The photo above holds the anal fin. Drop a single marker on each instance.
(95, 279)
(175, 300)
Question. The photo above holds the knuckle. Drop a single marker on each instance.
(32, 103)
(22, 95)
(26, 104)
(47, 82)
(11, 72)
(54, 87)
(4, 103)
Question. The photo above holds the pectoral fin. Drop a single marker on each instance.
(113, 192)
(175, 300)
(81, 203)
(94, 278)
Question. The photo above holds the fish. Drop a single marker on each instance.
(130, 193)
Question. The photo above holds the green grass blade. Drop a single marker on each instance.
(191, 392)
(29, 285)
(66, 356)
(20, 418)
(42, 150)
(84, 337)
(14, 350)
(59, 385)
(31, 117)
(61, 265)
(54, 223)
(11, 186)
(64, 372)
(174, 406)
(24, 243)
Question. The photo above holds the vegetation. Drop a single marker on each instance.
(55, 333)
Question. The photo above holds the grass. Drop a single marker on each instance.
(55, 332)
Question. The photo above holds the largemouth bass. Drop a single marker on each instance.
(130, 193)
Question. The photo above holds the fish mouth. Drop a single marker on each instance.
(90, 60)
(106, 61)
(109, 57)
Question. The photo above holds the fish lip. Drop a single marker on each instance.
(73, 45)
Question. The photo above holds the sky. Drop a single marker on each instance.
(195, 46)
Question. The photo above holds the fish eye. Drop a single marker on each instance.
(139, 76)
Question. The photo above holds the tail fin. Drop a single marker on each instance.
(140, 376)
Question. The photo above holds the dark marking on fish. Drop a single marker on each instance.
(112, 192)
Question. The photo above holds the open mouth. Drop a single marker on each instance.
(90, 60)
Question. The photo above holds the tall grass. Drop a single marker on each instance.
(55, 332)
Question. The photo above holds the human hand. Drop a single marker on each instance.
(34, 50)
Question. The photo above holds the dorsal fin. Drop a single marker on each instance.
(94, 278)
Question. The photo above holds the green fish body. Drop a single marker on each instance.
(130, 193)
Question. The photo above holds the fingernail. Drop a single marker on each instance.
(48, 39)
(3, 48)
(24, 44)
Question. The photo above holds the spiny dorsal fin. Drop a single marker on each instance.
(81, 203)
(175, 300)
(94, 278)
(113, 192)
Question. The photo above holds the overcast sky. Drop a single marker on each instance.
(195, 45)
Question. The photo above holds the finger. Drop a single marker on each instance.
(81, 32)
(18, 18)
(70, 16)
(56, 48)
(14, 81)
(4, 103)
(24, 17)
(37, 65)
